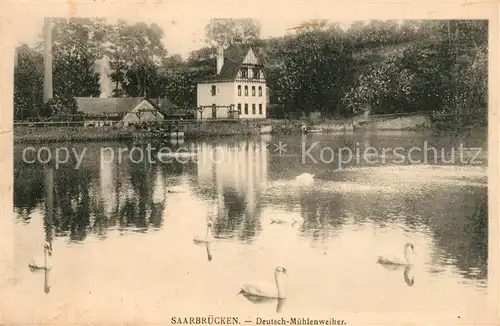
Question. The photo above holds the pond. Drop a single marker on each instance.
(122, 229)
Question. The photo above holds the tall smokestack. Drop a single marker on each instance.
(220, 58)
(47, 60)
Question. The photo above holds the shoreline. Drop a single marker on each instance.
(197, 131)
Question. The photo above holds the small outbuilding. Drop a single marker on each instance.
(123, 110)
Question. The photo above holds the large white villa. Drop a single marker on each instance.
(237, 90)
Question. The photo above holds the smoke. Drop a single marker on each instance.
(104, 80)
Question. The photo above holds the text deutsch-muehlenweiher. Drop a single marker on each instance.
(300, 321)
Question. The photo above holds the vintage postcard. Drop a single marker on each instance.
(249, 163)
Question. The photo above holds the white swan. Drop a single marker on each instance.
(409, 254)
(39, 263)
(208, 235)
(266, 290)
(305, 179)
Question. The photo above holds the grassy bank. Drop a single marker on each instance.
(220, 129)
(74, 134)
(24, 134)
(197, 130)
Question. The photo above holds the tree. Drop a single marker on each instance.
(172, 62)
(225, 31)
(28, 82)
(313, 65)
(201, 55)
(381, 88)
(136, 53)
(61, 106)
(76, 47)
(386, 67)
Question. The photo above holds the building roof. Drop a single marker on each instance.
(234, 56)
(165, 104)
(119, 105)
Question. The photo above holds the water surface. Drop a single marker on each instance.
(122, 232)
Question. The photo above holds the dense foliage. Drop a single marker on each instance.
(384, 67)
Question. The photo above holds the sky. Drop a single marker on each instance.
(181, 35)
(183, 21)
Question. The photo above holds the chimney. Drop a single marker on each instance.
(47, 60)
(158, 102)
(220, 58)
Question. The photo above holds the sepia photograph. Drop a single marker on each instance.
(259, 164)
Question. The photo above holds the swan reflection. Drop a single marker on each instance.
(209, 251)
(263, 300)
(410, 281)
(208, 235)
(407, 274)
(46, 287)
(38, 264)
(207, 240)
(288, 219)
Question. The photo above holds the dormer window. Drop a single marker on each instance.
(214, 90)
(256, 73)
(244, 72)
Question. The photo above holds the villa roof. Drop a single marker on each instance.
(234, 56)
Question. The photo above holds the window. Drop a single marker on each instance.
(253, 108)
(256, 73)
(260, 108)
(214, 90)
(246, 108)
(246, 90)
(253, 90)
(214, 111)
(260, 90)
(239, 108)
(239, 90)
(244, 72)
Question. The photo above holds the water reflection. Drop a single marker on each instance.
(104, 194)
(208, 246)
(261, 300)
(208, 234)
(407, 271)
(410, 281)
(258, 218)
(43, 264)
(89, 200)
(46, 283)
(239, 172)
